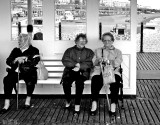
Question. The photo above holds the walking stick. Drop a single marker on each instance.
(106, 88)
(17, 87)
(121, 87)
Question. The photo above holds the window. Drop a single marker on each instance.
(114, 16)
(148, 15)
(19, 19)
(37, 20)
(70, 18)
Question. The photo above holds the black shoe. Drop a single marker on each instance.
(26, 107)
(3, 111)
(93, 113)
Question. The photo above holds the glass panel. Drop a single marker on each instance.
(149, 15)
(37, 20)
(114, 16)
(70, 18)
(19, 17)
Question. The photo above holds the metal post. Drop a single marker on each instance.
(100, 30)
(30, 14)
(141, 42)
(17, 88)
(19, 28)
(60, 34)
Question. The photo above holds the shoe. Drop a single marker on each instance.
(93, 113)
(69, 107)
(26, 107)
(3, 111)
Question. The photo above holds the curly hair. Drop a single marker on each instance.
(108, 34)
(81, 35)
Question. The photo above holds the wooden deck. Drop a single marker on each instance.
(142, 110)
(49, 110)
(148, 65)
(148, 61)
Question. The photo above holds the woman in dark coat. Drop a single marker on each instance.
(25, 57)
(78, 63)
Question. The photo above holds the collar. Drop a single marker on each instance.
(106, 48)
(80, 49)
(24, 49)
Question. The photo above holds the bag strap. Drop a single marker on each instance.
(102, 52)
(102, 58)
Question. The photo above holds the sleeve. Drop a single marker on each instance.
(67, 60)
(11, 58)
(88, 62)
(118, 59)
(32, 60)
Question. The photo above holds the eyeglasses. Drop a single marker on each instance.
(108, 41)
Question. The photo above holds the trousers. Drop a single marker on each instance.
(97, 84)
(79, 82)
(11, 79)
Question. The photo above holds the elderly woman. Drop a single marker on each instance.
(107, 53)
(78, 62)
(24, 57)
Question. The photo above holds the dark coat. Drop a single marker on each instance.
(74, 55)
(26, 67)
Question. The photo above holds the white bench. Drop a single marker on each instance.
(55, 71)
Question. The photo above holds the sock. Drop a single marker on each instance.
(6, 104)
(77, 107)
(94, 106)
(113, 107)
(28, 99)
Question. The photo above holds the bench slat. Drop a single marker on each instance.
(52, 81)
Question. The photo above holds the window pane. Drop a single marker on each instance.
(114, 16)
(37, 20)
(70, 18)
(19, 17)
(149, 14)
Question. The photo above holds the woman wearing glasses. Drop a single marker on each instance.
(108, 53)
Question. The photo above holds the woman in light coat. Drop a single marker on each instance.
(107, 53)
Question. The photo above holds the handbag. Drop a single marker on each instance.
(107, 73)
(42, 72)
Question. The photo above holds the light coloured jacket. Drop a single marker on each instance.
(113, 54)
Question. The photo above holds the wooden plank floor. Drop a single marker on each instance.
(143, 110)
(148, 65)
(148, 61)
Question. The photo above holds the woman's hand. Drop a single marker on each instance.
(77, 68)
(21, 59)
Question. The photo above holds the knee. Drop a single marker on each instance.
(6, 81)
(66, 84)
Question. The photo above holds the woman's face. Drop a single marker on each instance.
(81, 42)
(107, 41)
(22, 41)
